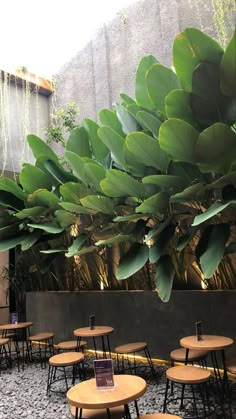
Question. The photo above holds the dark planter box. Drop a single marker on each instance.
(135, 315)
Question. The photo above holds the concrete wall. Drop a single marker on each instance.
(21, 113)
(4, 301)
(135, 315)
(96, 76)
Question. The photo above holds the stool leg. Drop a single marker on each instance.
(49, 380)
(149, 359)
(108, 414)
(182, 397)
(64, 369)
(129, 365)
(118, 363)
(166, 393)
(194, 401)
(123, 365)
(127, 412)
(135, 369)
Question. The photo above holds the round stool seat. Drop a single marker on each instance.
(231, 366)
(66, 358)
(193, 355)
(116, 413)
(187, 374)
(70, 344)
(131, 347)
(159, 416)
(4, 341)
(41, 336)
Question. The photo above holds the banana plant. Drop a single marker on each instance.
(156, 175)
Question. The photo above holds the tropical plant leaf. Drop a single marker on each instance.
(228, 69)
(109, 118)
(7, 199)
(58, 173)
(128, 122)
(215, 238)
(114, 142)
(31, 212)
(147, 150)
(167, 183)
(77, 209)
(229, 179)
(132, 261)
(78, 142)
(77, 164)
(161, 80)
(99, 203)
(77, 243)
(32, 178)
(30, 240)
(127, 99)
(8, 185)
(141, 93)
(73, 192)
(192, 193)
(62, 249)
(65, 218)
(99, 149)
(115, 239)
(178, 139)
(132, 217)
(178, 105)
(164, 277)
(231, 248)
(186, 238)
(149, 122)
(94, 174)
(159, 247)
(118, 184)
(52, 228)
(39, 147)
(12, 242)
(213, 210)
(216, 149)
(43, 198)
(190, 48)
(156, 204)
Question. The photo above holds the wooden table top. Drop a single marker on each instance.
(127, 388)
(209, 342)
(86, 332)
(14, 326)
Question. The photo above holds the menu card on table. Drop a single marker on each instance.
(92, 322)
(104, 375)
(199, 333)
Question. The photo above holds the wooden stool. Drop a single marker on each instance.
(131, 348)
(45, 345)
(60, 362)
(116, 413)
(159, 416)
(194, 355)
(71, 345)
(192, 376)
(5, 352)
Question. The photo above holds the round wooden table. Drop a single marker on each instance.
(212, 343)
(24, 326)
(127, 388)
(98, 331)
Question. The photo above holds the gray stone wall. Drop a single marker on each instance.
(96, 76)
(21, 113)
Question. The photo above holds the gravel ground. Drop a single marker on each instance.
(23, 395)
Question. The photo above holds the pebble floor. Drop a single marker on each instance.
(23, 395)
